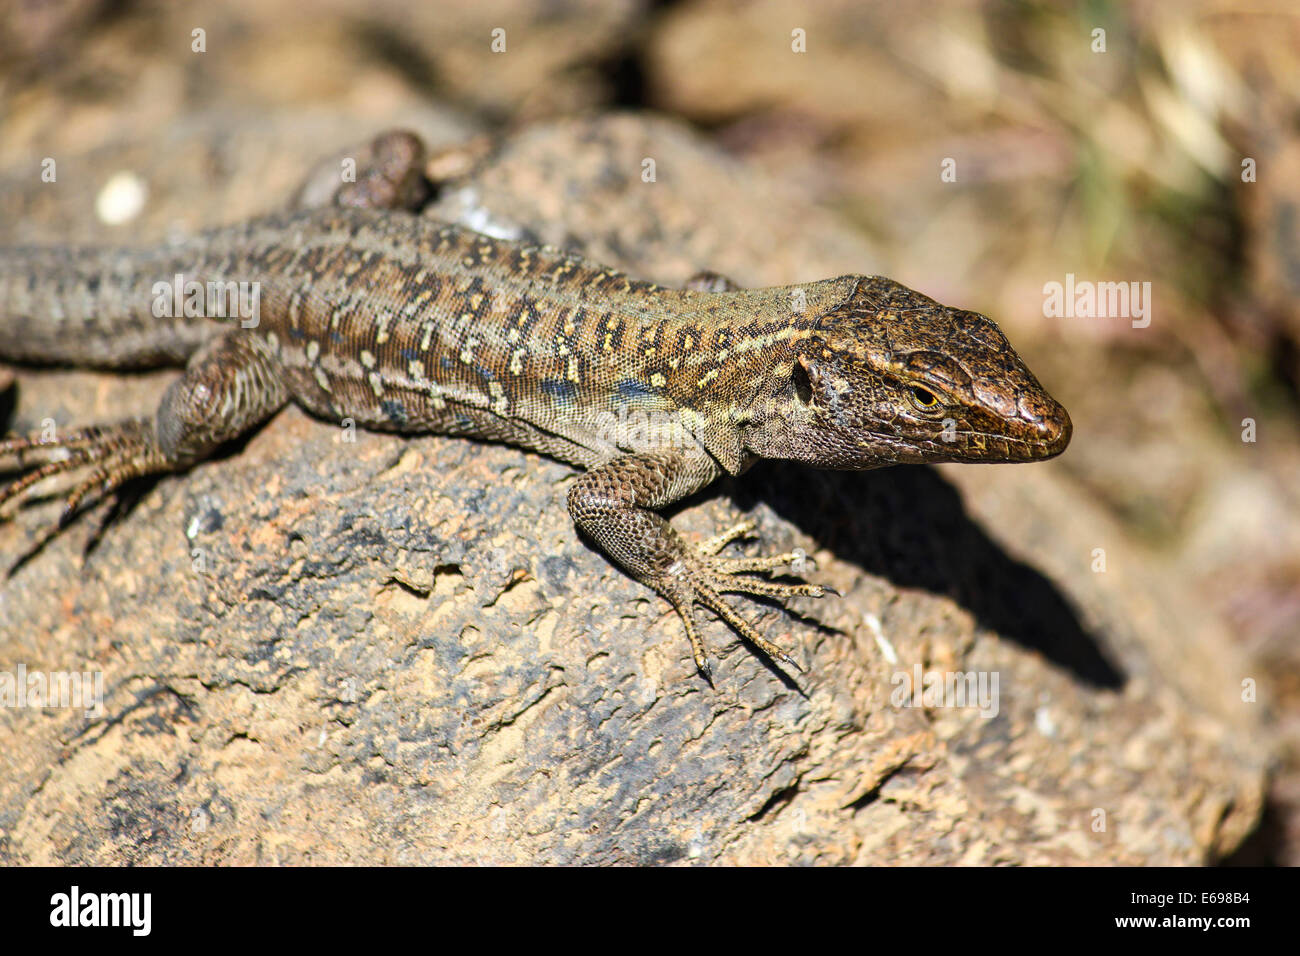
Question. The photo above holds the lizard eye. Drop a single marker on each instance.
(924, 398)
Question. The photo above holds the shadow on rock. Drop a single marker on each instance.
(907, 525)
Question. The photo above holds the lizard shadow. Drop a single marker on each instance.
(104, 512)
(907, 525)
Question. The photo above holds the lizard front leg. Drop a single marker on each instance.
(612, 504)
(229, 386)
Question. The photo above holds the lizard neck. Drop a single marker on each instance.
(725, 360)
(725, 350)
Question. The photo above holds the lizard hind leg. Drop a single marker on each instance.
(389, 173)
(229, 386)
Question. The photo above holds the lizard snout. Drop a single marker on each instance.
(1053, 428)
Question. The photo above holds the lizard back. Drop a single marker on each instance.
(409, 324)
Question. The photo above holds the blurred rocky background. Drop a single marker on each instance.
(1152, 142)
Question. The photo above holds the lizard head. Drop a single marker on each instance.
(891, 376)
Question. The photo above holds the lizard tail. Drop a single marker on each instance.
(98, 307)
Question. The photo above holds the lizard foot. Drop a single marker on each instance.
(746, 529)
(230, 385)
(113, 453)
(705, 578)
(613, 503)
(388, 174)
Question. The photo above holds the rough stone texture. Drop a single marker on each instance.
(319, 649)
(206, 168)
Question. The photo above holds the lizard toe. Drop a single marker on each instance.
(712, 599)
(741, 529)
(115, 453)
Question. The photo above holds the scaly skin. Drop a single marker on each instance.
(406, 324)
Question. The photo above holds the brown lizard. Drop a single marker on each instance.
(402, 323)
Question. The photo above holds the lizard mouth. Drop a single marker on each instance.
(1039, 440)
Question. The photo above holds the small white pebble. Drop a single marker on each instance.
(1043, 721)
(121, 199)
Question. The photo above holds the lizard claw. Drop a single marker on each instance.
(786, 658)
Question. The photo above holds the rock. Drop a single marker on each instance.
(336, 647)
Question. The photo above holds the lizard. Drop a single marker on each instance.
(370, 312)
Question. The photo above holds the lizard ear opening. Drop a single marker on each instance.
(803, 388)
